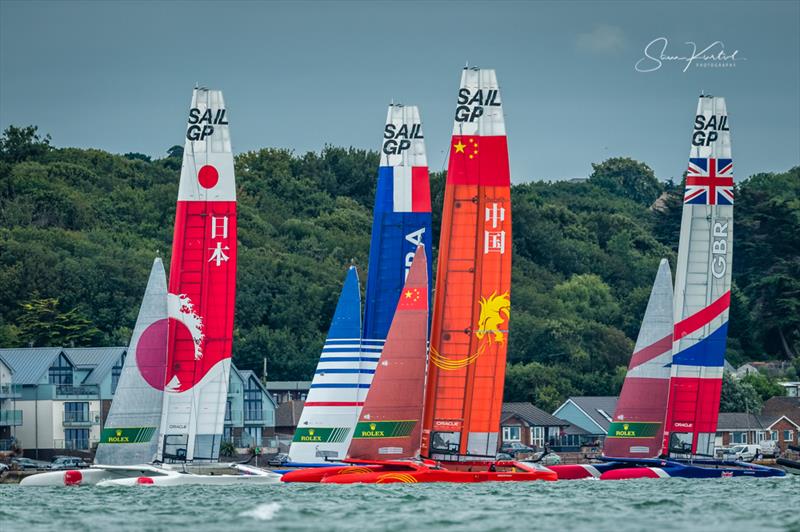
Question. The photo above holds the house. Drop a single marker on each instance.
(62, 396)
(524, 423)
(780, 410)
(283, 391)
(590, 413)
(288, 416)
(10, 417)
(744, 370)
(792, 388)
(746, 428)
(249, 411)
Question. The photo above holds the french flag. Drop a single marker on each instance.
(410, 191)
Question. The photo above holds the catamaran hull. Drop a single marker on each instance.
(190, 479)
(439, 475)
(86, 477)
(674, 470)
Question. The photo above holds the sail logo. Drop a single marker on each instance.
(494, 312)
(127, 435)
(398, 139)
(719, 249)
(471, 103)
(202, 123)
(632, 429)
(706, 130)
(320, 435)
(415, 238)
(384, 429)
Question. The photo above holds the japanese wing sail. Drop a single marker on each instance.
(702, 285)
(401, 221)
(339, 386)
(637, 428)
(131, 434)
(469, 328)
(202, 287)
(390, 424)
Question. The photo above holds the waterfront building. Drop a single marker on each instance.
(590, 413)
(531, 426)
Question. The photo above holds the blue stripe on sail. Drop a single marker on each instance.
(708, 352)
(340, 350)
(339, 385)
(344, 370)
(349, 359)
(390, 244)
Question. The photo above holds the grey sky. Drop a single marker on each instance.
(118, 76)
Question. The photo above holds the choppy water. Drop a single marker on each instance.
(671, 504)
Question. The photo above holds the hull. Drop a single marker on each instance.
(418, 474)
(189, 479)
(673, 469)
(87, 477)
(790, 466)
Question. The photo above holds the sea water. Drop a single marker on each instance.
(731, 504)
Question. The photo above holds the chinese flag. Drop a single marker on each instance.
(413, 299)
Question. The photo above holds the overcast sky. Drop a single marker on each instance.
(118, 75)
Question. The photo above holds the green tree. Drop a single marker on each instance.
(764, 386)
(22, 143)
(738, 396)
(43, 324)
(624, 177)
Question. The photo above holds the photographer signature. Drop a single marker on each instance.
(655, 53)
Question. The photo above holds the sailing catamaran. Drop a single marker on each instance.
(469, 329)
(690, 402)
(401, 222)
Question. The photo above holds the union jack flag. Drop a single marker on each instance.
(709, 182)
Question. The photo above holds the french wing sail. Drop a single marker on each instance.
(637, 428)
(702, 285)
(390, 424)
(469, 328)
(131, 434)
(340, 384)
(202, 287)
(401, 221)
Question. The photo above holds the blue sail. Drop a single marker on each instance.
(401, 222)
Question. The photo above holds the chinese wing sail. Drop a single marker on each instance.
(390, 424)
(130, 435)
(702, 285)
(401, 221)
(637, 428)
(202, 287)
(339, 386)
(469, 328)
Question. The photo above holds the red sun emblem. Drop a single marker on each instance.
(208, 176)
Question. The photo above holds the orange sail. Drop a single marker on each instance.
(469, 329)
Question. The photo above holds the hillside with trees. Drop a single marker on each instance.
(79, 230)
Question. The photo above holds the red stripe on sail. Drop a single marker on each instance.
(420, 189)
(651, 351)
(334, 403)
(701, 318)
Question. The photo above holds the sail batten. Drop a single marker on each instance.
(469, 328)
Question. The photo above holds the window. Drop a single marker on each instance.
(255, 435)
(116, 372)
(738, 437)
(227, 434)
(253, 406)
(537, 436)
(788, 435)
(773, 435)
(61, 371)
(76, 439)
(511, 434)
(76, 412)
(227, 411)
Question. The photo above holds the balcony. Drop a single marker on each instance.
(233, 418)
(78, 444)
(10, 418)
(67, 391)
(81, 419)
(10, 391)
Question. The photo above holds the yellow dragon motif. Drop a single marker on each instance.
(494, 312)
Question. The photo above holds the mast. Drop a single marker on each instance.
(401, 220)
(390, 424)
(131, 435)
(340, 384)
(202, 287)
(702, 286)
(638, 424)
(469, 328)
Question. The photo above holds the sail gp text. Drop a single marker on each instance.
(201, 123)
(471, 103)
(398, 139)
(706, 130)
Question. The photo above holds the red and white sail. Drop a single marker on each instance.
(390, 423)
(202, 287)
(702, 285)
(636, 431)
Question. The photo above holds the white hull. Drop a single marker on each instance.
(87, 477)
